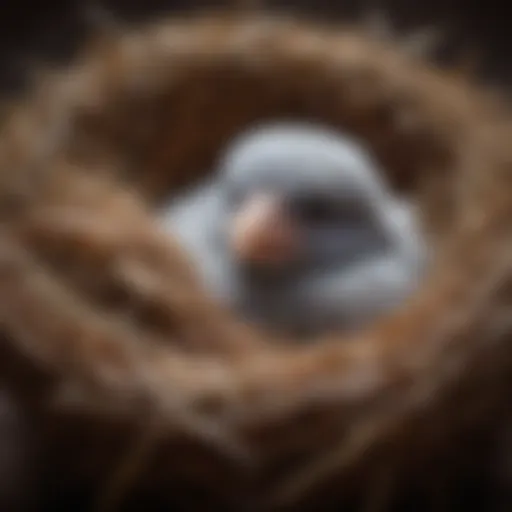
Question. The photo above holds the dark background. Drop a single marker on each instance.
(35, 31)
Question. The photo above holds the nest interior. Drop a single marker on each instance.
(141, 385)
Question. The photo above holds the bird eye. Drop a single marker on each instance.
(326, 210)
(315, 209)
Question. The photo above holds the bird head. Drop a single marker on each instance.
(302, 198)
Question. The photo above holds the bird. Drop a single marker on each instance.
(298, 232)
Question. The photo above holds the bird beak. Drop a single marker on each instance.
(263, 233)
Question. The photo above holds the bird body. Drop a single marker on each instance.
(298, 232)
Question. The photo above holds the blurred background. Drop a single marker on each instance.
(35, 31)
(38, 31)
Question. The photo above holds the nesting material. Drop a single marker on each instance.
(146, 390)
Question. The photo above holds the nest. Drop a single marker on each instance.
(144, 390)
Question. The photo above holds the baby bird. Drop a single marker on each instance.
(298, 232)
